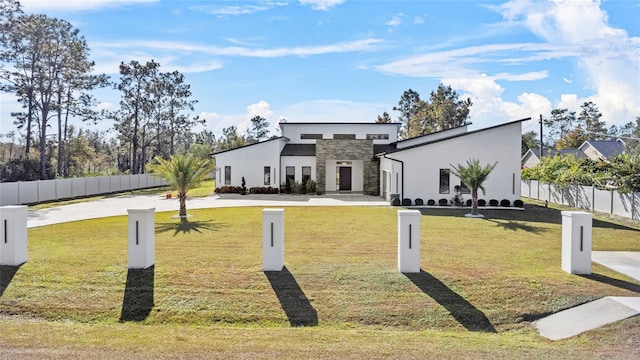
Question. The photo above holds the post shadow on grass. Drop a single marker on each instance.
(6, 275)
(292, 299)
(138, 294)
(185, 226)
(463, 311)
(613, 282)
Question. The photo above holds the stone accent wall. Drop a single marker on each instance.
(327, 149)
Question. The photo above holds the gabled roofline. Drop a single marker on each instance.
(433, 133)
(246, 146)
(456, 136)
(340, 123)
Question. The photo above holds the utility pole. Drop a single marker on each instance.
(541, 147)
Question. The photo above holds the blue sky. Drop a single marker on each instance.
(350, 60)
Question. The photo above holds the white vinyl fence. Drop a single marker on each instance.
(30, 192)
(585, 197)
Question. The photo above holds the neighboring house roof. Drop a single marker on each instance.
(339, 123)
(299, 150)
(553, 152)
(395, 149)
(246, 146)
(606, 148)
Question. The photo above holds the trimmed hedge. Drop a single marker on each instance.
(443, 202)
(395, 202)
(406, 202)
(431, 202)
(482, 202)
(419, 202)
(469, 202)
(518, 203)
(493, 202)
(505, 203)
(229, 190)
(263, 190)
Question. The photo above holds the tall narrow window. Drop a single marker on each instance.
(227, 175)
(290, 172)
(267, 175)
(444, 181)
(306, 174)
(464, 189)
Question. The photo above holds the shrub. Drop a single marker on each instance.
(493, 202)
(482, 202)
(310, 186)
(505, 203)
(243, 187)
(229, 190)
(406, 202)
(395, 202)
(443, 202)
(263, 190)
(469, 202)
(518, 203)
(419, 202)
(431, 202)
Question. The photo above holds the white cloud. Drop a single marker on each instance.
(77, 5)
(341, 47)
(608, 57)
(321, 4)
(236, 10)
(394, 22)
(105, 105)
(571, 31)
(418, 20)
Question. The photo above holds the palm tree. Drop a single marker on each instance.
(182, 172)
(473, 175)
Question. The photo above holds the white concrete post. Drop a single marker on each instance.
(576, 242)
(13, 235)
(142, 238)
(409, 241)
(272, 239)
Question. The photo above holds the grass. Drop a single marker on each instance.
(483, 282)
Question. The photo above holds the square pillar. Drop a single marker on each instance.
(576, 242)
(409, 241)
(142, 238)
(13, 235)
(272, 239)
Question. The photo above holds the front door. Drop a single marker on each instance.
(345, 178)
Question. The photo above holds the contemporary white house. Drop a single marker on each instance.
(368, 158)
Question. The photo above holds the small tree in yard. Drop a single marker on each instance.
(473, 175)
(183, 172)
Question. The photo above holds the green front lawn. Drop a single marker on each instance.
(482, 284)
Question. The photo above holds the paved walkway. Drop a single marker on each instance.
(118, 205)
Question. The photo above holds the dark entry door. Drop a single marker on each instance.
(345, 178)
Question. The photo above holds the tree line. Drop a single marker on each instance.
(45, 63)
(564, 130)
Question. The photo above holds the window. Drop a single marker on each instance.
(464, 189)
(306, 174)
(444, 181)
(377, 136)
(310, 136)
(227, 175)
(267, 175)
(344, 136)
(290, 174)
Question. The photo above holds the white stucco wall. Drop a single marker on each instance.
(249, 161)
(431, 137)
(292, 131)
(422, 164)
(298, 162)
(394, 170)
